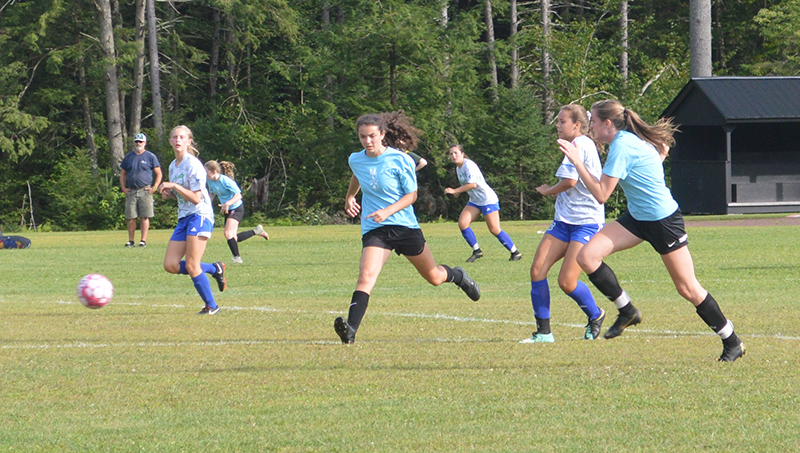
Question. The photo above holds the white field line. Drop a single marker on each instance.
(662, 333)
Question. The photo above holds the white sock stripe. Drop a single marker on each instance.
(726, 331)
(622, 300)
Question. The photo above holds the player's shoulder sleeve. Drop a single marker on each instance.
(474, 173)
(355, 158)
(617, 161)
(404, 167)
(230, 184)
(196, 174)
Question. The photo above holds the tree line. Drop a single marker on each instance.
(275, 87)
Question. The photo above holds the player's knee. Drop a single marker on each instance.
(689, 292)
(567, 285)
(585, 261)
(172, 268)
(538, 272)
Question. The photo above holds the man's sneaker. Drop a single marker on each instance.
(208, 311)
(732, 353)
(540, 338)
(515, 256)
(622, 323)
(345, 332)
(594, 325)
(475, 255)
(237, 260)
(130, 244)
(219, 275)
(142, 244)
(468, 285)
(259, 230)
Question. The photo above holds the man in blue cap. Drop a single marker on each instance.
(136, 178)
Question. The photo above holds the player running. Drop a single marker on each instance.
(389, 184)
(635, 157)
(578, 217)
(187, 184)
(482, 200)
(222, 184)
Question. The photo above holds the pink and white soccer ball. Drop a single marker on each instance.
(95, 291)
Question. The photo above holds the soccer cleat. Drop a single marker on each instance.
(130, 244)
(208, 311)
(475, 255)
(219, 276)
(345, 332)
(540, 338)
(142, 244)
(515, 256)
(467, 284)
(732, 353)
(594, 325)
(622, 323)
(259, 230)
(237, 260)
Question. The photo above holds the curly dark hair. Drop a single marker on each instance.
(400, 132)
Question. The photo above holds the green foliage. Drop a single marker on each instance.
(79, 201)
(517, 154)
(290, 84)
(780, 26)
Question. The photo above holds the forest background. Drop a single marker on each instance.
(275, 86)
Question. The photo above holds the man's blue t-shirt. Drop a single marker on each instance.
(384, 180)
(638, 166)
(139, 169)
(225, 188)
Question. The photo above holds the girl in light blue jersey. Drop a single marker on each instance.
(187, 184)
(222, 184)
(634, 161)
(578, 217)
(388, 181)
(482, 200)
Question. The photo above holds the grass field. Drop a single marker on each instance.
(431, 370)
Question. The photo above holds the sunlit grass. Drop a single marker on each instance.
(431, 370)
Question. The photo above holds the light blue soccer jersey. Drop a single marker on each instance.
(384, 180)
(576, 205)
(638, 166)
(482, 195)
(225, 188)
(191, 174)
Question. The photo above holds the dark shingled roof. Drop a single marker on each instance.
(710, 101)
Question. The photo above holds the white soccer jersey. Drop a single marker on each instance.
(483, 194)
(577, 206)
(191, 174)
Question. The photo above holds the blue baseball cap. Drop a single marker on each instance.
(140, 138)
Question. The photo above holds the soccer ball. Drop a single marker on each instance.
(95, 291)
